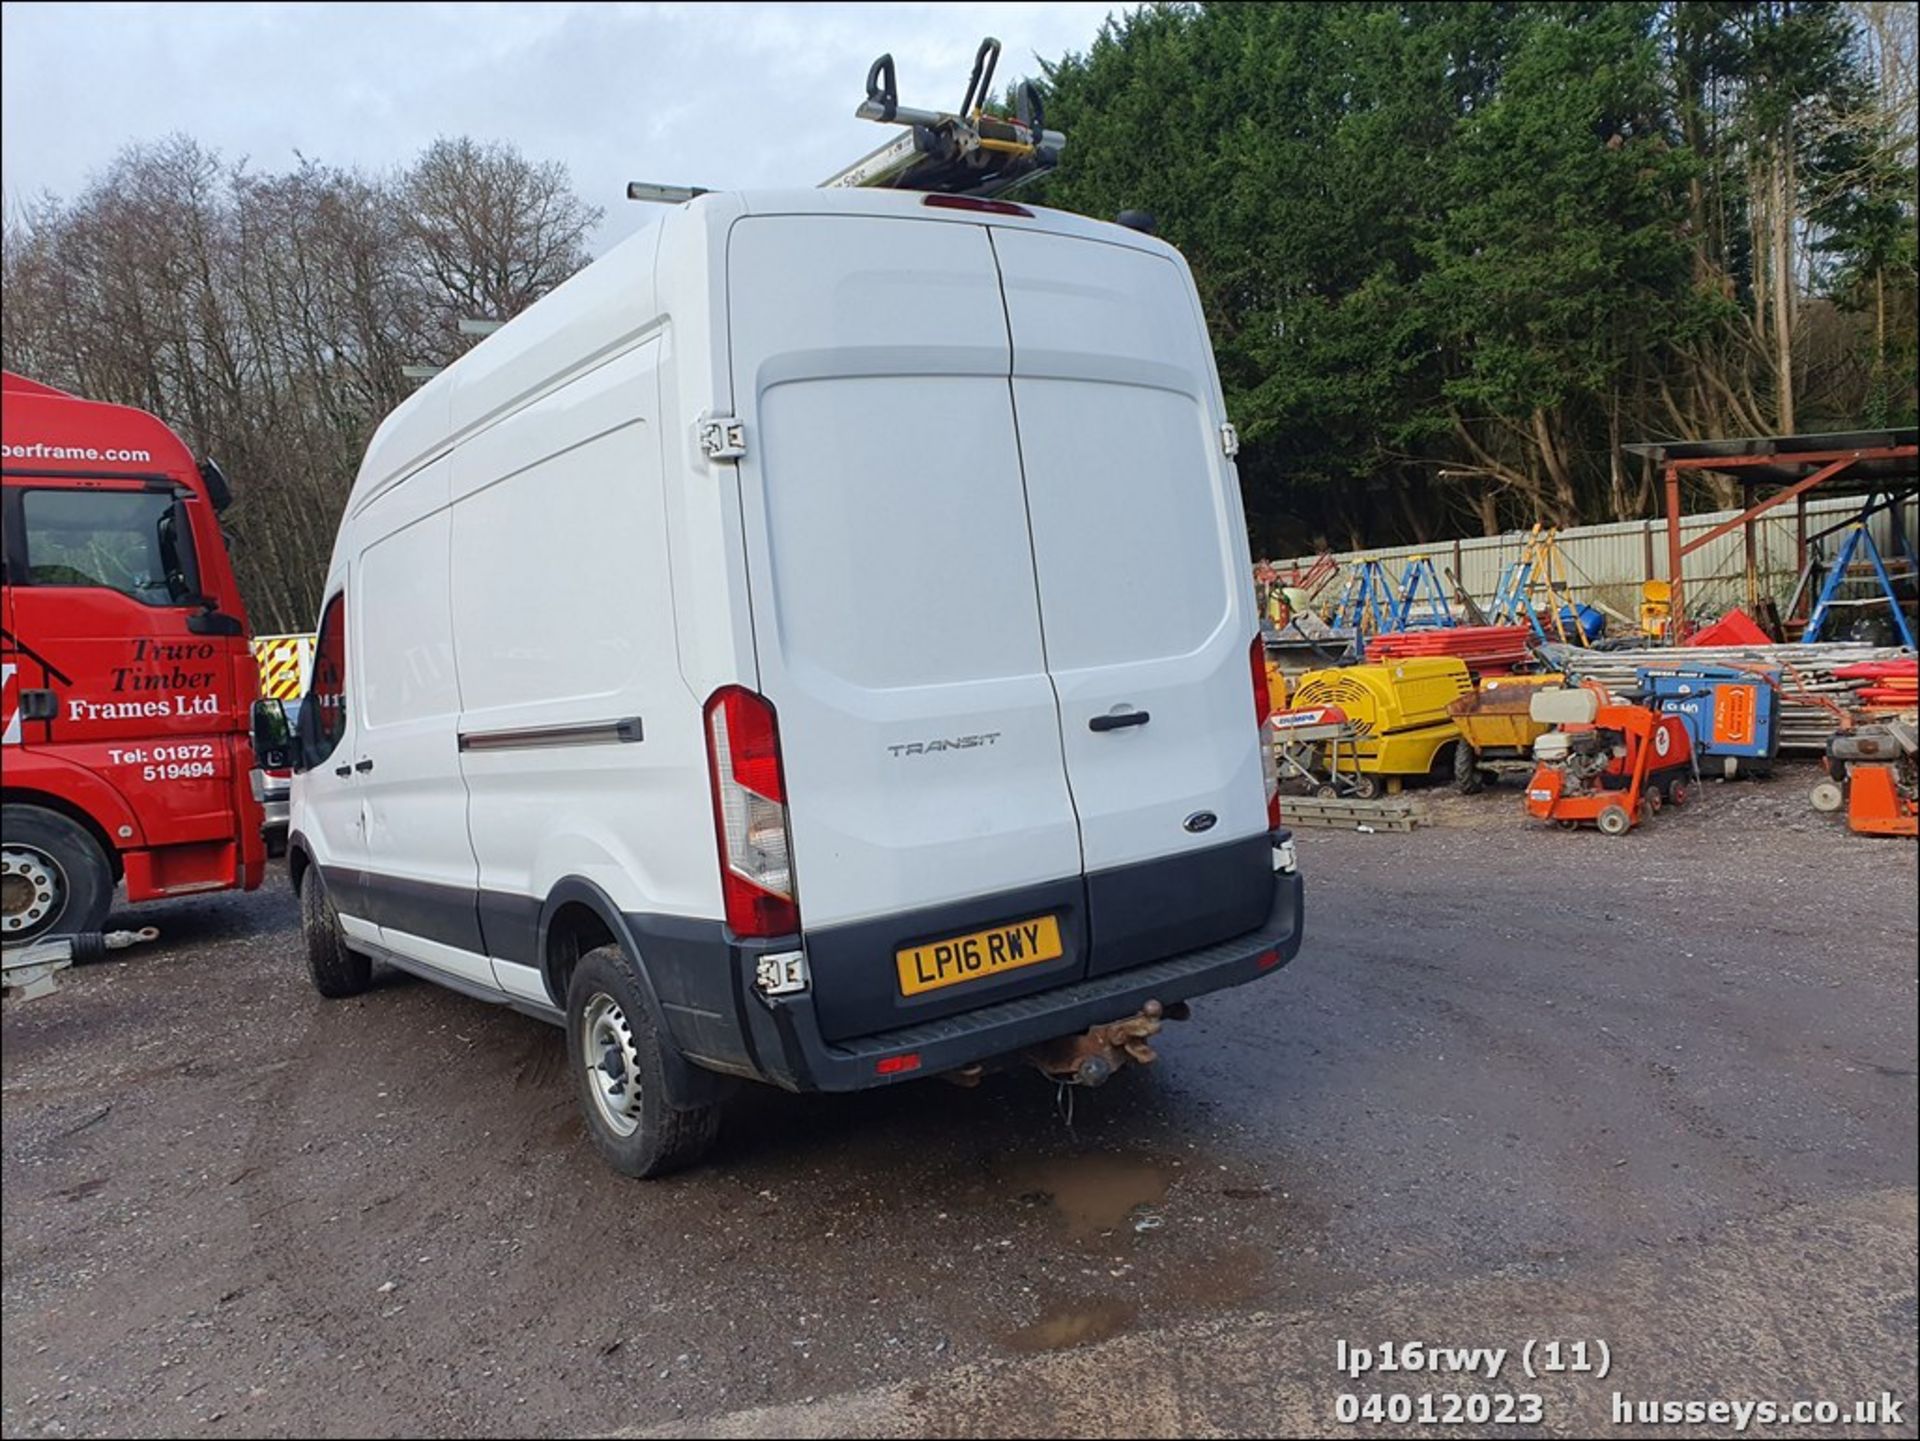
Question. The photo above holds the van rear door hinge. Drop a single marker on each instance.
(1229, 439)
(721, 437)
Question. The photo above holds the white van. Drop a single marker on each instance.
(815, 644)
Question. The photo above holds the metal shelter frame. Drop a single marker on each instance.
(1870, 463)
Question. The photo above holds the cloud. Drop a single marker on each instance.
(722, 95)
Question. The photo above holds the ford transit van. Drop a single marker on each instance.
(816, 644)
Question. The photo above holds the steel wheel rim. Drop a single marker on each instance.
(612, 1064)
(33, 891)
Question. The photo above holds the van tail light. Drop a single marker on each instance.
(1263, 713)
(750, 814)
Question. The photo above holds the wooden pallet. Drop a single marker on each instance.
(1389, 813)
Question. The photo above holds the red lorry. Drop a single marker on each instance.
(128, 681)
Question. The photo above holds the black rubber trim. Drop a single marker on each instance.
(800, 1059)
(434, 912)
(1156, 908)
(856, 987)
(510, 926)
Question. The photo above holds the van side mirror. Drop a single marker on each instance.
(273, 748)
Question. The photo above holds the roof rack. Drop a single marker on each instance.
(963, 152)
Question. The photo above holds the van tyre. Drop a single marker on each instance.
(619, 1072)
(336, 972)
(54, 878)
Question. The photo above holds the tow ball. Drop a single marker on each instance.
(1090, 1058)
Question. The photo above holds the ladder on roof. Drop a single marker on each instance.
(964, 152)
(969, 151)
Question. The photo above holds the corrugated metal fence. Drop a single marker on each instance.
(1605, 564)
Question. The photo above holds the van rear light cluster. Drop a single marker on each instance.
(1263, 713)
(750, 814)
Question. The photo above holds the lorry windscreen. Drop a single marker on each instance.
(135, 542)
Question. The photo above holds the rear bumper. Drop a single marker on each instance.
(787, 1048)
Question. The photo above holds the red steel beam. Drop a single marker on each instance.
(1752, 512)
(1676, 602)
(1734, 462)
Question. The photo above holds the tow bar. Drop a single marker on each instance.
(30, 969)
(1090, 1058)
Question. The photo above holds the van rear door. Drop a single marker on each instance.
(1145, 593)
(896, 623)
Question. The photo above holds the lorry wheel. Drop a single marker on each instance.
(54, 878)
(1468, 778)
(336, 972)
(619, 1074)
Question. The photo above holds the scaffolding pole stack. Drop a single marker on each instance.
(1812, 697)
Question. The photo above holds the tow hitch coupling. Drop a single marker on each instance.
(1089, 1058)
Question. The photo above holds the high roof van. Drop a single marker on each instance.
(815, 644)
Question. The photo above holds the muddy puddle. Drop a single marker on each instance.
(1091, 1195)
(1076, 1324)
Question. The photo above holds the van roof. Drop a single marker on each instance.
(613, 299)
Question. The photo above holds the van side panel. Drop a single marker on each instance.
(580, 743)
(420, 865)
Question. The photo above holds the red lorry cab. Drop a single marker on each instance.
(128, 680)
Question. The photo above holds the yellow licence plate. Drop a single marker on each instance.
(933, 964)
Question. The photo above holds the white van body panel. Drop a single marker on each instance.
(897, 626)
(982, 503)
(1137, 536)
(564, 624)
(405, 698)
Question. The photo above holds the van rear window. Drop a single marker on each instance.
(136, 542)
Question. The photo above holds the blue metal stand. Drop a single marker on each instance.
(1858, 538)
(1420, 575)
(1366, 605)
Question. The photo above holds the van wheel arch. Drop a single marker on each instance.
(578, 917)
(299, 858)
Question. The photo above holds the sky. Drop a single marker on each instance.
(711, 94)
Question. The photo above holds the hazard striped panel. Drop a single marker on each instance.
(284, 661)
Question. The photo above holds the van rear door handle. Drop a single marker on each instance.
(1115, 722)
(363, 766)
(343, 770)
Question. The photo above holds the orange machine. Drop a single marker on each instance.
(1606, 765)
(1874, 775)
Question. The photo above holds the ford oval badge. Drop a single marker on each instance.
(1200, 821)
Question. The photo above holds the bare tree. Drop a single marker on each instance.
(267, 317)
(495, 231)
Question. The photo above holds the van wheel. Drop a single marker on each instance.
(54, 878)
(336, 972)
(619, 1074)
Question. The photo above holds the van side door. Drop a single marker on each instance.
(420, 866)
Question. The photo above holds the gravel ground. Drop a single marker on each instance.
(1605, 1084)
